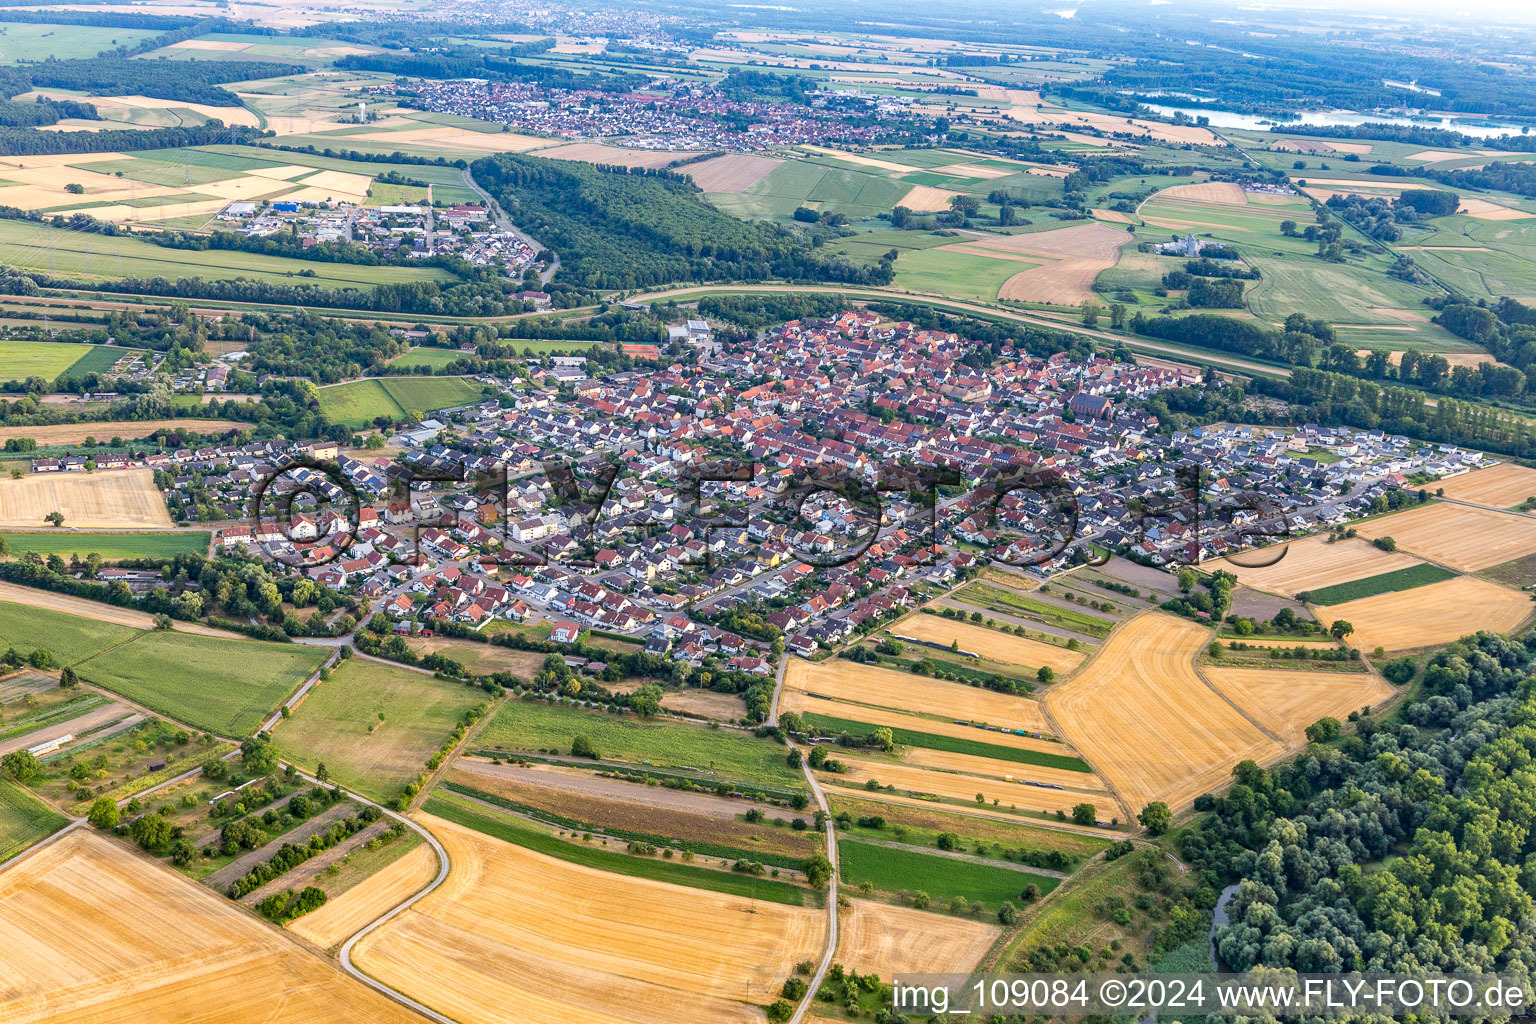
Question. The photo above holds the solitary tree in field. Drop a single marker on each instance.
(54, 518)
(1085, 814)
(322, 773)
(1340, 629)
(1156, 817)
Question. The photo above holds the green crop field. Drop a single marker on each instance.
(110, 546)
(956, 275)
(924, 824)
(360, 402)
(890, 869)
(1420, 575)
(534, 726)
(30, 246)
(846, 189)
(70, 637)
(953, 744)
(24, 819)
(20, 41)
(225, 686)
(1003, 599)
(520, 832)
(52, 359)
(374, 725)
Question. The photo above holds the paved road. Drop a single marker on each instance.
(505, 223)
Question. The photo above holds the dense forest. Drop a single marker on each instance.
(192, 81)
(1406, 847)
(1418, 135)
(623, 228)
(22, 142)
(470, 62)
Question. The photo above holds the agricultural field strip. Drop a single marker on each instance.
(1145, 720)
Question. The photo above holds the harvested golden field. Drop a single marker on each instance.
(111, 498)
(74, 433)
(1113, 217)
(448, 137)
(597, 153)
(794, 700)
(1146, 721)
(1091, 239)
(962, 788)
(1312, 563)
(1458, 536)
(1208, 192)
(862, 161)
(878, 938)
(369, 900)
(927, 199)
(1077, 255)
(95, 934)
(734, 172)
(1503, 485)
(561, 942)
(902, 691)
(994, 768)
(1287, 702)
(1482, 209)
(989, 643)
(1436, 614)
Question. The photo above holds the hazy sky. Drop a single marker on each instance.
(1443, 10)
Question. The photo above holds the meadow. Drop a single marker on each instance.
(360, 402)
(374, 724)
(714, 754)
(959, 275)
(225, 686)
(70, 637)
(23, 41)
(111, 547)
(51, 360)
(893, 870)
(24, 820)
(29, 246)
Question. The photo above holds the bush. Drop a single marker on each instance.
(582, 746)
